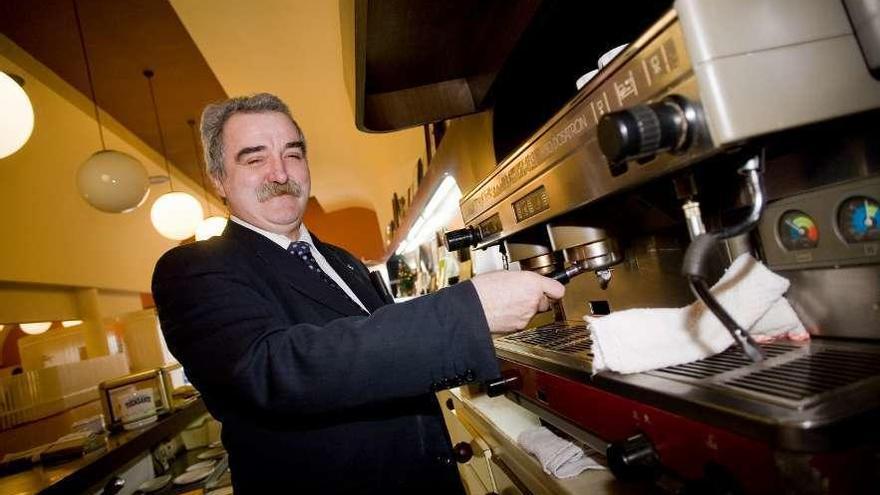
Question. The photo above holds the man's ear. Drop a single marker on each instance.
(218, 186)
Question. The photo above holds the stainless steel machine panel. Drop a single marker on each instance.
(830, 227)
(561, 166)
(764, 66)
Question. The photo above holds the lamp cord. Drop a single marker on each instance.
(149, 75)
(82, 42)
(192, 131)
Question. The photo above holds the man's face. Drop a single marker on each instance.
(265, 163)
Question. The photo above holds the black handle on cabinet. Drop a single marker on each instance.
(450, 405)
(462, 452)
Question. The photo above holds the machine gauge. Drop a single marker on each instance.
(859, 219)
(798, 231)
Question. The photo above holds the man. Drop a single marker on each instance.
(321, 385)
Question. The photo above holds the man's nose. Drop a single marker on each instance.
(277, 171)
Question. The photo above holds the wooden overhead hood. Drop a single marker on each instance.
(420, 61)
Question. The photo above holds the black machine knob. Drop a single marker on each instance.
(462, 238)
(645, 130)
(500, 386)
(462, 452)
(633, 459)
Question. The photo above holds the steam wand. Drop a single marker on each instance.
(694, 265)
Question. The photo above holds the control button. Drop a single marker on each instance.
(644, 130)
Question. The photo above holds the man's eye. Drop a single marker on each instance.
(254, 161)
(295, 156)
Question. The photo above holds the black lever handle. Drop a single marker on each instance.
(564, 276)
(462, 238)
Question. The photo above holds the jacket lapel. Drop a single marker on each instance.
(292, 271)
(349, 273)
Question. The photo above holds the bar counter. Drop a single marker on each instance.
(79, 475)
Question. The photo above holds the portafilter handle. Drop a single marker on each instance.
(564, 276)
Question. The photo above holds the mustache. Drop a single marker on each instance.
(271, 189)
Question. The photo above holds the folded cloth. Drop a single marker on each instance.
(638, 340)
(558, 457)
(780, 321)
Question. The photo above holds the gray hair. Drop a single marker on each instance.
(214, 118)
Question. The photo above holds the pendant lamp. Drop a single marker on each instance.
(109, 180)
(175, 214)
(17, 118)
(213, 225)
(35, 328)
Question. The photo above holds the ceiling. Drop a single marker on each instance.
(204, 51)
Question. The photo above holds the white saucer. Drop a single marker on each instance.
(606, 58)
(200, 465)
(155, 484)
(584, 79)
(212, 454)
(193, 476)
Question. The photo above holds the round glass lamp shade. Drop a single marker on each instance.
(210, 227)
(16, 116)
(113, 181)
(176, 215)
(35, 328)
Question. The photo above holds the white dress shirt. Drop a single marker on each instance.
(304, 235)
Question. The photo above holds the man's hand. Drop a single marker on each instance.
(510, 299)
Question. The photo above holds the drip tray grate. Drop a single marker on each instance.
(554, 337)
(812, 376)
(793, 375)
(567, 341)
(728, 360)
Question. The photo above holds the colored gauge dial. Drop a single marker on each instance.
(859, 219)
(798, 231)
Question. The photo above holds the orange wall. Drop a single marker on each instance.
(354, 229)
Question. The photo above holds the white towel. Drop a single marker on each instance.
(638, 340)
(558, 457)
(780, 321)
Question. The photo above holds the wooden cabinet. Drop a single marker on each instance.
(475, 472)
(504, 484)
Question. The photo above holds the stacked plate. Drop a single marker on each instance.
(154, 484)
(604, 60)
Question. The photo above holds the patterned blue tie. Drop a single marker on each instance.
(302, 249)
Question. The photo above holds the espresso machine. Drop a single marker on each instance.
(729, 126)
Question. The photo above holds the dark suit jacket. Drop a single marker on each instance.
(315, 396)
